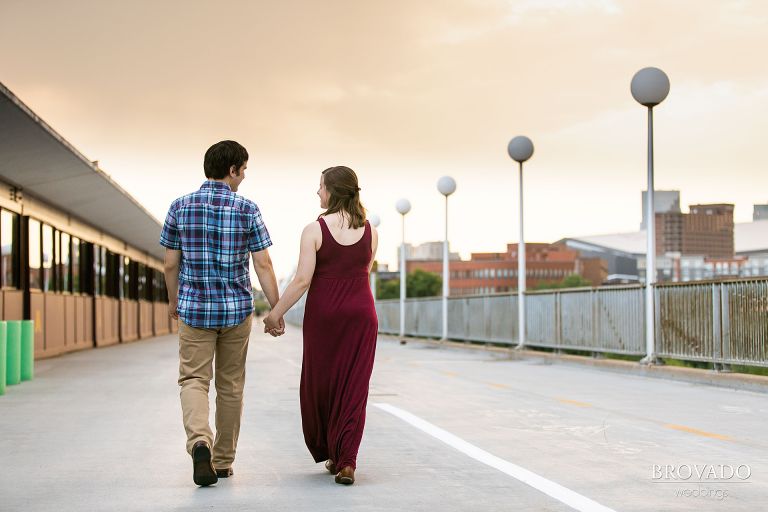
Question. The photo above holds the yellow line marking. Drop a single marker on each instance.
(450, 374)
(574, 402)
(498, 386)
(696, 431)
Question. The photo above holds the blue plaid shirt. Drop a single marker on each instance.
(215, 230)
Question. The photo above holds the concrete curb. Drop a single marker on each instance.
(738, 381)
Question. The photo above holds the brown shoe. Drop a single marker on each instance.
(202, 470)
(346, 476)
(224, 472)
(330, 466)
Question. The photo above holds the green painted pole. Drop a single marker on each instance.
(3, 352)
(13, 353)
(27, 349)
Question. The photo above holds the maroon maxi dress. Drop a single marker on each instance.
(340, 328)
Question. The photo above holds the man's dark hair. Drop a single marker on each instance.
(221, 156)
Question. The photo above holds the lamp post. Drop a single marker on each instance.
(649, 87)
(375, 220)
(446, 186)
(520, 149)
(403, 207)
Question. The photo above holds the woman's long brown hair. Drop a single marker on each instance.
(344, 195)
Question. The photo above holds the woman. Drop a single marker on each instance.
(340, 324)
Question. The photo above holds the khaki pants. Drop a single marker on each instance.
(197, 348)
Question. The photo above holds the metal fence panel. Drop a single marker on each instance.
(619, 313)
(388, 312)
(503, 319)
(458, 311)
(541, 319)
(424, 317)
(477, 318)
(685, 321)
(577, 319)
(745, 322)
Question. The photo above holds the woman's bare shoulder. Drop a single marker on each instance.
(312, 228)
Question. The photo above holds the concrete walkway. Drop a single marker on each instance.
(448, 429)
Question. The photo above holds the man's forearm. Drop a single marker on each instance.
(268, 283)
(172, 283)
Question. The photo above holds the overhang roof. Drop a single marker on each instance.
(43, 164)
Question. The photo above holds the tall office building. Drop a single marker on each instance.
(706, 231)
(664, 201)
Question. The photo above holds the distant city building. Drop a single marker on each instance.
(750, 256)
(383, 273)
(497, 272)
(706, 231)
(678, 268)
(621, 265)
(704, 244)
(664, 201)
(751, 241)
(760, 212)
(425, 252)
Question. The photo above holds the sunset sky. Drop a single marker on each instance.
(405, 92)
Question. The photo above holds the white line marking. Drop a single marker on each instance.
(556, 491)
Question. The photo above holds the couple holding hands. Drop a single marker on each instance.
(209, 236)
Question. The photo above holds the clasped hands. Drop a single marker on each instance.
(274, 326)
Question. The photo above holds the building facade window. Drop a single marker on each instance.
(126, 278)
(35, 279)
(96, 271)
(103, 271)
(65, 263)
(9, 240)
(49, 282)
(75, 265)
(141, 283)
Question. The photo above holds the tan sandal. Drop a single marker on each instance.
(346, 476)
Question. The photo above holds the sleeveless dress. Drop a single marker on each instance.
(340, 330)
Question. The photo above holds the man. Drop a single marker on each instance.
(208, 236)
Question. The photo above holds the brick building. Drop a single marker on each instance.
(496, 272)
(706, 231)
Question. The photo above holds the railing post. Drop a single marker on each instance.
(558, 319)
(724, 334)
(652, 348)
(717, 340)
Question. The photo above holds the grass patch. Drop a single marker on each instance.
(624, 357)
(752, 370)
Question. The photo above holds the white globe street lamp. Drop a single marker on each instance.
(446, 186)
(403, 207)
(649, 87)
(520, 149)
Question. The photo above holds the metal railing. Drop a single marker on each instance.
(722, 322)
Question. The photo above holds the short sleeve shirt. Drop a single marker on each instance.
(216, 230)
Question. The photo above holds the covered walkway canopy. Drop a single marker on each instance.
(40, 162)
